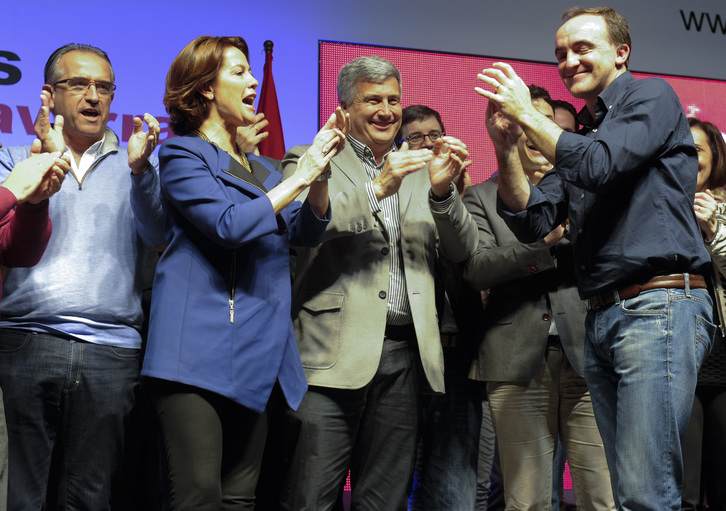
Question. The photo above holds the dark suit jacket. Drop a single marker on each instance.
(339, 293)
(523, 278)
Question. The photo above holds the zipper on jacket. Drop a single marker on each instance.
(93, 166)
(233, 275)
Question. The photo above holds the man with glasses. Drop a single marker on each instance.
(446, 472)
(69, 341)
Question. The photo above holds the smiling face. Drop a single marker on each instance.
(532, 160)
(85, 114)
(587, 60)
(232, 93)
(705, 158)
(375, 114)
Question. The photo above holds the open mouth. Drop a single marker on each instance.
(89, 113)
(249, 100)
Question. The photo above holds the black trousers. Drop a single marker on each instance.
(372, 431)
(213, 447)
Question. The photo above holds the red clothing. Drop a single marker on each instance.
(24, 231)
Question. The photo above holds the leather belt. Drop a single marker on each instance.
(449, 340)
(553, 341)
(674, 281)
(400, 332)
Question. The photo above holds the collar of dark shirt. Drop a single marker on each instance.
(610, 95)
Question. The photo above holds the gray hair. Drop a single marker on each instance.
(52, 73)
(367, 69)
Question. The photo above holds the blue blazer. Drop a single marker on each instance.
(220, 313)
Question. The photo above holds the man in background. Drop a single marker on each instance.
(531, 350)
(446, 476)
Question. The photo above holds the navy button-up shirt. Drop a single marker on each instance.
(626, 181)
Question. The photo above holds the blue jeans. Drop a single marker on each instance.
(641, 360)
(447, 479)
(80, 394)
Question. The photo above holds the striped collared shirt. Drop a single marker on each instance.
(399, 310)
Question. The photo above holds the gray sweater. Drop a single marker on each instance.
(88, 283)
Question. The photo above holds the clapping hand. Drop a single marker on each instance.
(142, 143)
(398, 165)
(327, 143)
(249, 137)
(449, 154)
(705, 206)
(50, 136)
(39, 176)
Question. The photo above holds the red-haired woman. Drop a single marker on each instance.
(220, 335)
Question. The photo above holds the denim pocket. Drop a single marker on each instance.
(125, 352)
(13, 340)
(647, 303)
(705, 332)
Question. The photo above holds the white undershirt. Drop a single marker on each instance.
(87, 159)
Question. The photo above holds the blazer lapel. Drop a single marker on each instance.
(259, 171)
(347, 164)
(237, 170)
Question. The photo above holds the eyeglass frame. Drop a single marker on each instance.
(423, 137)
(112, 86)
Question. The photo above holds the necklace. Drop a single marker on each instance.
(242, 156)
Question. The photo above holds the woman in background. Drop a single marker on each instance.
(705, 444)
(220, 335)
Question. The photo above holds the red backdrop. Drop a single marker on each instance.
(446, 82)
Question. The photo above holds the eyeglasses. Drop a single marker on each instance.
(416, 139)
(81, 86)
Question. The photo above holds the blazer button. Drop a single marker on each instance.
(382, 295)
(384, 251)
(545, 317)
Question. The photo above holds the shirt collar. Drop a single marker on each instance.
(605, 100)
(93, 151)
(364, 152)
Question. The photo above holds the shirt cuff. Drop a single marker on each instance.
(440, 205)
(720, 233)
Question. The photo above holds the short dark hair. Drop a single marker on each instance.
(717, 145)
(417, 113)
(566, 105)
(618, 27)
(51, 73)
(196, 66)
(537, 92)
(366, 69)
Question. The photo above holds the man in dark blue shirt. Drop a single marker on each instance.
(626, 181)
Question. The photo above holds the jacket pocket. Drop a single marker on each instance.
(318, 324)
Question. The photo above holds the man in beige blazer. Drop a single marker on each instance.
(364, 302)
